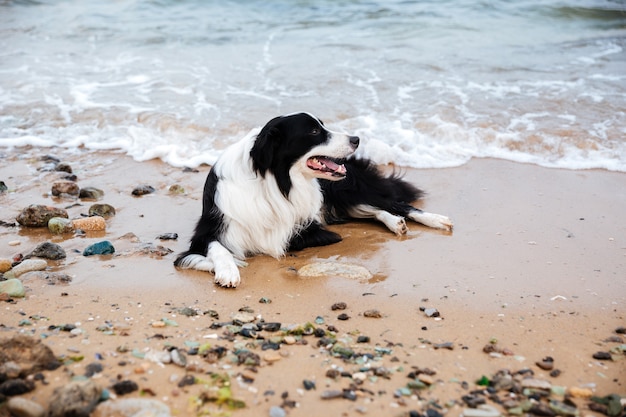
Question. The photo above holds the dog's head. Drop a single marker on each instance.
(302, 143)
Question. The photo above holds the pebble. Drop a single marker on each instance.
(272, 357)
(132, 407)
(536, 383)
(48, 250)
(63, 167)
(580, 392)
(101, 248)
(90, 193)
(77, 398)
(483, 410)
(37, 215)
(339, 306)
(243, 317)
(331, 394)
(143, 190)
(13, 288)
(289, 340)
(276, 411)
(373, 313)
(60, 225)
(5, 265)
(346, 270)
(431, 312)
(602, 356)
(65, 187)
(26, 266)
(90, 224)
(547, 363)
(103, 210)
(22, 407)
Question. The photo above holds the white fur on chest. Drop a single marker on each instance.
(257, 216)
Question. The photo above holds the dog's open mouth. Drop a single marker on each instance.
(327, 166)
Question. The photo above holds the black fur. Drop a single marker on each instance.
(211, 221)
(365, 184)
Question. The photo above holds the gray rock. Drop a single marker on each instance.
(37, 215)
(276, 411)
(132, 407)
(60, 225)
(65, 187)
(22, 407)
(47, 250)
(91, 193)
(103, 210)
(29, 353)
(143, 190)
(78, 398)
(12, 287)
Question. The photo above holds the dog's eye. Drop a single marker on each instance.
(315, 132)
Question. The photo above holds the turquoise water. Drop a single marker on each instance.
(424, 83)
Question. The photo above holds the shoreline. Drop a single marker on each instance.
(537, 260)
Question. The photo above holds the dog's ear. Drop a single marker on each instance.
(265, 147)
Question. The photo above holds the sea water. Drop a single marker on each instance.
(425, 84)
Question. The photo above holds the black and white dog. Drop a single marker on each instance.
(271, 193)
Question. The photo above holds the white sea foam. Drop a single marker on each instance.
(418, 91)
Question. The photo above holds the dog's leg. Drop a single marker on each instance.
(226, 271)
(313, 235)
(436, 221)
(394, 223)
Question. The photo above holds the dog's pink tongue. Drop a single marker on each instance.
(332, 166)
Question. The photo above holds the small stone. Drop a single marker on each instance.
(176, 189)
(132, 407)
(431, 312)
(536, 383)
(37, 215)
(60, 225)
(603, 356)
(47, 250)
(372, 313)
(3, 187)
(5, 265)
(547, 363)
(90, 224)
(63, 167)
(343, 316)
(93, 368)
(65, 187)
(90, 193)
(363, 339)
(77, 398)
(16, 387)
(482, 410)
(125, 387)
(620, 330)
(168, 236)
(103, 210)
(308, 384)
(143, 190)
(26, 266)
(13, 288)
(242, 317)
(580, 392)
(289, 340)
(158, 324)
(276, 411)
(339, 306)
(101, 248)
(22, 407)
(178, 358)
(331, 394)
(272, 356)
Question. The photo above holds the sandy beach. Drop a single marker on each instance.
(536, 266)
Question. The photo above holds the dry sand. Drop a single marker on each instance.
(537, 260)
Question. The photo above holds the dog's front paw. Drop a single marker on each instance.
(227, 277)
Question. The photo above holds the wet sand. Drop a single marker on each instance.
(537, 261)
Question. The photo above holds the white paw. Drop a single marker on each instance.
(226, 270)
(227, 277)
(400, 228)
(436, 221)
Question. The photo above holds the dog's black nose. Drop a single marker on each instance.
(354, 141)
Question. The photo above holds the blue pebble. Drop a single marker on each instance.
(101, 248)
